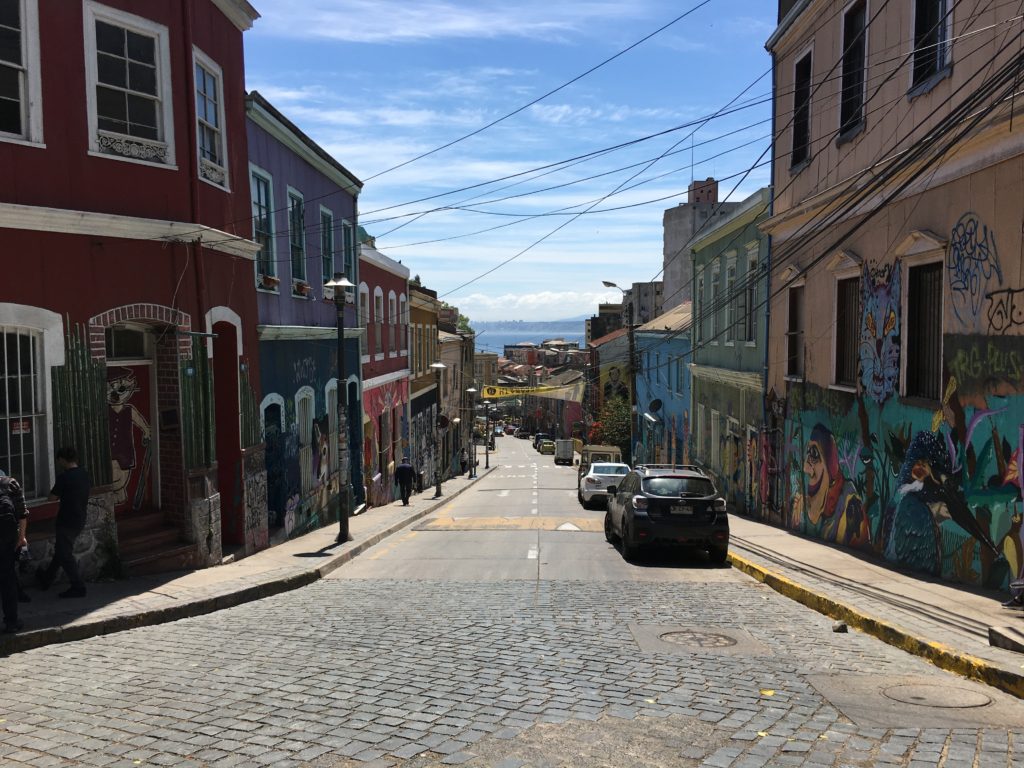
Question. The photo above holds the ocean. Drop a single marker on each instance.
(495, 341)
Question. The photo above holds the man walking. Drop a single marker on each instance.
(13, 519)
(72, 489)
(404, 474)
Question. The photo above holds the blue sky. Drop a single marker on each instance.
(378, 82)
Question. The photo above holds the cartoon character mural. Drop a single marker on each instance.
(614, 382)
(130, 435)
(880, 330)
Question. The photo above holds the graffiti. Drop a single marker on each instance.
(130, 434)
(255, 497)
(809, 396)
(978, 362)
(971, 260)
(1006, 309)
(880, 331)
(304, 371)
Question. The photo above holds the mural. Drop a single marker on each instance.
(128, 395)
(387, 433)
(880, 331)
(614, 381)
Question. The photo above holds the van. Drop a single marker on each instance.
(565, 451)
(592, 453)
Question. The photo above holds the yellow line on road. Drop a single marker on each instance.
(531, 523)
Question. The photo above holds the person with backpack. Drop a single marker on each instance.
(13, 523)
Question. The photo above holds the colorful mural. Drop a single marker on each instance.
(129, 396)
(880, 331)
(614, 381)
(387, 434)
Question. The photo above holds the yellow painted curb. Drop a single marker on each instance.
(938, 654)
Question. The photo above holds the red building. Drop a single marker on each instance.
(384, 313)
(127, 309)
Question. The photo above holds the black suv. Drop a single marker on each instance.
(663, 504)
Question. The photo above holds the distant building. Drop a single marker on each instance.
(642, 302)
(607, 319)
(485, 368)
(663, 388)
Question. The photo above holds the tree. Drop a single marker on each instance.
(613, 426)
(464, 325)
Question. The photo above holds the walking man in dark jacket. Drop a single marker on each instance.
(404, 474)
(13, 519)
(72, 489)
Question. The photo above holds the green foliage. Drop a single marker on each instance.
(613, 426)
(464, 325)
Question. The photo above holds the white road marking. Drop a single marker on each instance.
(567, 527)
(503, 494)
(533, 511)
(532, 554)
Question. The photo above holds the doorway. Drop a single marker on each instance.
(228, 434)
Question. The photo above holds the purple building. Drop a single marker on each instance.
(304, 208)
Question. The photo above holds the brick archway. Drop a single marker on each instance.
(140, 313)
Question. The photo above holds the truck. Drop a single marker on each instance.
(592, 453)
(565, 452)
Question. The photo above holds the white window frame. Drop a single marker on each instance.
(333, 425)
(325, 211)
(701, 304)
(925, 85)
(792, 376)
(393, 324)
(31, 81)
(907, 263)
(94, 11)
(730, 300)
(794, 167)
(363, 311)
(199, 58)
(304, 430)
(864, 75)
(348, 231)
(378, 321)
(716, 441)
(293, 193)
(752, 284)
(272, 399)
(837, 277)
(716, 276)
(256, 171)
(698, 433)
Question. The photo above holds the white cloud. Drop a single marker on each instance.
(543, 305)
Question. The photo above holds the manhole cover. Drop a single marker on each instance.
(698, 638)
(936, 696)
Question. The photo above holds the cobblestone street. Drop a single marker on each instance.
(351, 671)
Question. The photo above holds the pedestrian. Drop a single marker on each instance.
(404, 474)
(13, 521)
(72, 490)
(463, 460)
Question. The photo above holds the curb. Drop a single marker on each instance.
(942, 656)
(38, 638)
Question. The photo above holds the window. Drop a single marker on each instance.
(731, 319)
(931, 38)
(699, 432)
(851, 112)
(127, 344)
(847, 331)
(23, 449)
(795, 333)
(364, 305)
(348, 250)
(331, 394)
(210, 121)
(750, 303)
(700, 306)
(327, 243)
(297, 235)
(716, 439)
(129, 87)
(801, 150)
(392, 323)
(403, 319)
(20, 89)
(378, 320)
(304, 422)
(924, 331)
(263, 223)
(716, 311)
(680, 373)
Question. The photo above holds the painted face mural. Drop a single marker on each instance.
(880, 331)
(832, 507)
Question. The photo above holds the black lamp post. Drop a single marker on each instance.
(487, 434)
(340, 284)
(472, 428)
(437, 368)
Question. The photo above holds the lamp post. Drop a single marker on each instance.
(341, 284)
(472, 428)
(633, 427)
(487, 434)
(437, 368)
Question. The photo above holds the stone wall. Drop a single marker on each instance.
(95, 548)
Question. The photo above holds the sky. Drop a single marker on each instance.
(377, 83)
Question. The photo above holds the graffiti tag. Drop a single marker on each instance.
(304, 370)
(1006, 309)
(969, 365)
(971, 260)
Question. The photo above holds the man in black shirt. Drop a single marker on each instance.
(72, 489)
(404, 474)
(13, 519)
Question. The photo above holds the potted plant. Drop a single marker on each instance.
(269, 281)
(301, 288)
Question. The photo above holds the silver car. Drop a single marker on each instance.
(594, 484)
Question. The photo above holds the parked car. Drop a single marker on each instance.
(547, 447)
(565, 452)
(595, 453)
(594, 486)
(499, 431)
(678, 506)
(539, 438)
(523, 433)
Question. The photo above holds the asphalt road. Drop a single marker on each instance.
(502, 631)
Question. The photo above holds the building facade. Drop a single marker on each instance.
(384, 317)
(304, 206)
(423, 319)
(127, 308)
(485, 368)
(729, 262)
(663, 388)
(894, 384)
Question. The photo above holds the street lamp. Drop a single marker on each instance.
(487, 434)
(633, 427)
(437, 368)
(472, 428)
(340, 284)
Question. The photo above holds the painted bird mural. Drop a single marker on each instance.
(931, 493)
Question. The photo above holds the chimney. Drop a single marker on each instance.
(703, 191)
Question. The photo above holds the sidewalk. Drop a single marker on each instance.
(948, 625)
(145, 600)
